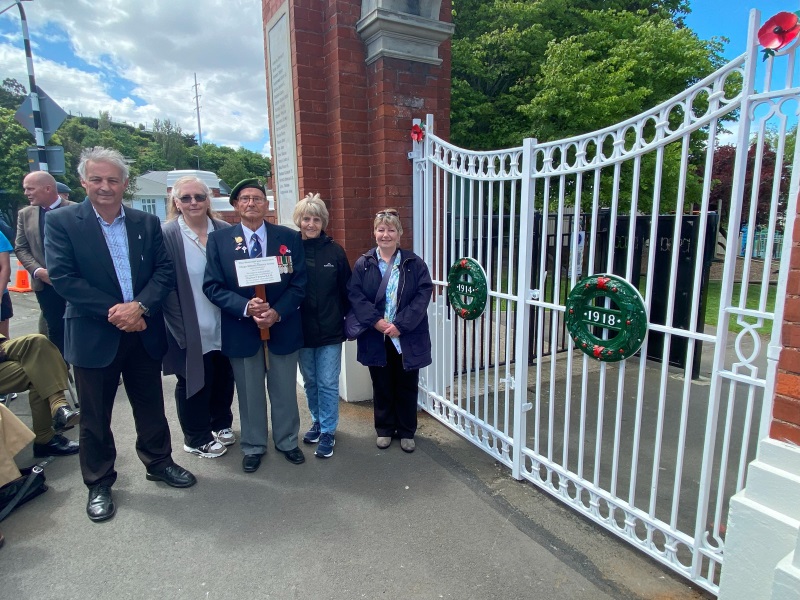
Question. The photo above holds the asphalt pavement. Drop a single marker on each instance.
(443, 522)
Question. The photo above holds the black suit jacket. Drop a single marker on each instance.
(80, 267)
(240, 334)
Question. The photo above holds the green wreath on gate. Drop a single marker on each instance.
(468, 298)
(628, 320)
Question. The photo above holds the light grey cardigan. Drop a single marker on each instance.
(184, 355)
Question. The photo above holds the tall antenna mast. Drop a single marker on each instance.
(197, 108)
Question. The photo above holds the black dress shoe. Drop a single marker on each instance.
(58, 446)
(65, 418)
(251, 462)
(100, 506)
(173, 475)
(295, 456)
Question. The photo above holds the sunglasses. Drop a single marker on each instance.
(390, 212)
(197, 198)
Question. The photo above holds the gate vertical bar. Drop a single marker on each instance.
(740, 169)
(417, 156)
(521, 405)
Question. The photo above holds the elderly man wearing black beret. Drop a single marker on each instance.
(244, 315)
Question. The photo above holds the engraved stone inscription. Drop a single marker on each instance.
(284, 143)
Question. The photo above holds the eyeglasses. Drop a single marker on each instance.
(197, 198)
(389, 212)
(249, 199)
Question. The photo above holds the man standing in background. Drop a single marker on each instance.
(41, 190)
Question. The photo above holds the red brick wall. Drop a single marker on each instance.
(786, 407)
(353, 120)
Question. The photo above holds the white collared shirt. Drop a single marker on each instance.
(261, 232)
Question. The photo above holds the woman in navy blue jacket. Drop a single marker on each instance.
(397, 342)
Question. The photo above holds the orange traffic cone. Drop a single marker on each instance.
(22, 283)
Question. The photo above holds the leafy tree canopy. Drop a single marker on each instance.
(12, 93)
(551, 69)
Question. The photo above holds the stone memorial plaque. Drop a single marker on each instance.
(281, 104)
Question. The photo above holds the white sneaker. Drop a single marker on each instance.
(212, 449)
(224, 436)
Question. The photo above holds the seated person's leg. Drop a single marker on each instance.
(14, 436)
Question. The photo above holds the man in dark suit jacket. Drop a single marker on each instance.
(42, 192)
(111, 266)
(243, 315)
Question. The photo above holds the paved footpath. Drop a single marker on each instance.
(444, 522)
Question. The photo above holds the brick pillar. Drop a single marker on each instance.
(361, 70)
(353, 119)
(786, 407)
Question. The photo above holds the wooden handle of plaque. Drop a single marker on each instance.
(261, 292)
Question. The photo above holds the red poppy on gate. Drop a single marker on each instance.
(778, 32)
(417, 133)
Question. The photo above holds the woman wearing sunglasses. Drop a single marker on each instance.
(204, 391)
(389, 293)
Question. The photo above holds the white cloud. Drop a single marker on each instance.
(155, 47)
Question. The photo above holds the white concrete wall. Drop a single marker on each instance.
(354, 382)
(762, 545)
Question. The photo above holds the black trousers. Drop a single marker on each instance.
(395, 396)
(210, 408)
(53, 307)
(98, 388)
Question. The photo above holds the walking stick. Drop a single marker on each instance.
(261, 292)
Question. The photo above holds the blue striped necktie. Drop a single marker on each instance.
(255, 249)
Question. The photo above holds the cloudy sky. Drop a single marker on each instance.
(136, 59)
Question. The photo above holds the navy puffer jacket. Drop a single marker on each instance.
(414, 295)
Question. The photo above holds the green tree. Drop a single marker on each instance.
(171, 140)
(554, 68)
(14, 142)
(255, 164)
(164, 149)
(233, 171)
(12, 93)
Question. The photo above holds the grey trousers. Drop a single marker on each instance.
(281, 378)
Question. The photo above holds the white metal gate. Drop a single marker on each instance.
(649, 450)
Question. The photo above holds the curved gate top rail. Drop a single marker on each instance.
(652, 447)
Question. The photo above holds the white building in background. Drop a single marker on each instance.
(151, 193)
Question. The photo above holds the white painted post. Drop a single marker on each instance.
(764, 529)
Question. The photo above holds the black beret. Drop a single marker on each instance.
(62, 188)
(243, 184)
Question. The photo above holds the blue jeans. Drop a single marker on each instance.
(320, 368)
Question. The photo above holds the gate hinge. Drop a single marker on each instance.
(527, 406)
(509, 381)
(533, 295)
